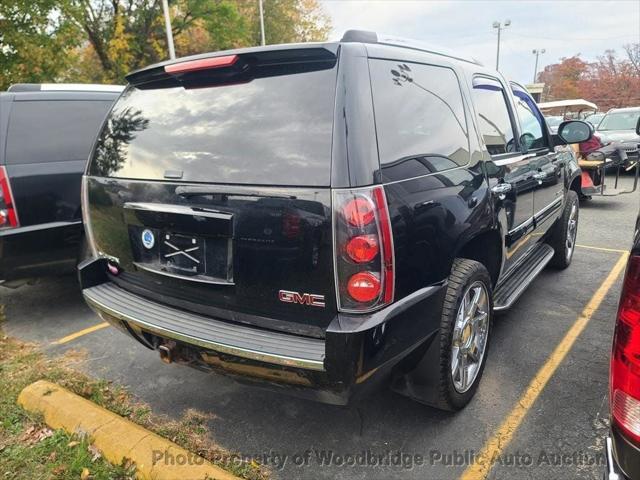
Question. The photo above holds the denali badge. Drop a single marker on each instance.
(302, 298)
(148, 240)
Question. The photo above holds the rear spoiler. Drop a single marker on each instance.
(236, 66)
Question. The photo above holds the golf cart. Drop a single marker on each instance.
(616, 157)
(576, 109)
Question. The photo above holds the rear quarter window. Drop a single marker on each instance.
(420, 119)
(43, 131)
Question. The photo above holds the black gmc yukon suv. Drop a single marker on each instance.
(326, 217)
(46, 135)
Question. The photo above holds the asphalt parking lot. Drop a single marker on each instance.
(560, 435)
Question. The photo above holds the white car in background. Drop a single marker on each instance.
(619, 125)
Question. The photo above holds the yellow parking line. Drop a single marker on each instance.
(73, 336)
(494, 447)
(602, 249)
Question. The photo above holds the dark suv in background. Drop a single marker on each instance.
(326, 217)
(46, 134)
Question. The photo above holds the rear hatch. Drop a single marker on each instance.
(209, 187)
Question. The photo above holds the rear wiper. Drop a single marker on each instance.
(196, 190)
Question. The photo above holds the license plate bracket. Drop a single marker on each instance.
(183, 254)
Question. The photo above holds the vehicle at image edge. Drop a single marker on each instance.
(325, 218)
(623, 443)
(46, 135)
(618, 125)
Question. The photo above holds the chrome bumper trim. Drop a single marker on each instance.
(97, 302)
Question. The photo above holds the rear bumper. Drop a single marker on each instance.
(623, 457)
(356, 354)
(39, 250)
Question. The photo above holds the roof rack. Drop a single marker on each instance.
(64, 87)
(365, 36)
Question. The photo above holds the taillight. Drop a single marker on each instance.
(8, 212)
(364, 249)
(364, 286)
(625, 359)
(359, 211)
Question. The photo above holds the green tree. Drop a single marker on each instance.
(35, 41)
(103, 40)
(287, 21)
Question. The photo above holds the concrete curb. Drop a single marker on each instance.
(117, 438)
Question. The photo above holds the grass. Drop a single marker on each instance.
(29, 449)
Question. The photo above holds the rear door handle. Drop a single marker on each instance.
(501, 188)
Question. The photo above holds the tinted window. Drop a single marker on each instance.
(493, 118)
(268, 131)
(619, 121)
(420, 118)
(53, 131)
(532, 134)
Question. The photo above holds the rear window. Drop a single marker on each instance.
(268, 131)
(53, 131)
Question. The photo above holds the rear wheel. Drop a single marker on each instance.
(563, 239)
(464, 333)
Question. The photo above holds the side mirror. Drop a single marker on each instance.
(493, 170)
(574, 131)
(638, 126)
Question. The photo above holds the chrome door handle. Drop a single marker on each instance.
(501, 188)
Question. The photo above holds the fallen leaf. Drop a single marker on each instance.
(73, 444)
(85, 474)
(95, 453)
(33, 435)
(59, 470)
(52, 458)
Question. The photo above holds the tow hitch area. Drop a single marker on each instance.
(166, 351)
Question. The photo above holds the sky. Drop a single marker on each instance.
(563, 27)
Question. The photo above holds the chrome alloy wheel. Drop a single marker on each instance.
(572, 231)
(470, 335)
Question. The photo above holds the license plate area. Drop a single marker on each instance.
(180, 243)
(183, 254)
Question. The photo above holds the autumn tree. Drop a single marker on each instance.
(35, 41)
(562, 80)
(124, 35)
(611, 81)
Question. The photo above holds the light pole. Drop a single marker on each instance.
(537, 53)
(261, 23)
(500, 27)
(167, 25)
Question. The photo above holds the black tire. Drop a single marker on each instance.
(464, 274)
(559, 237)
